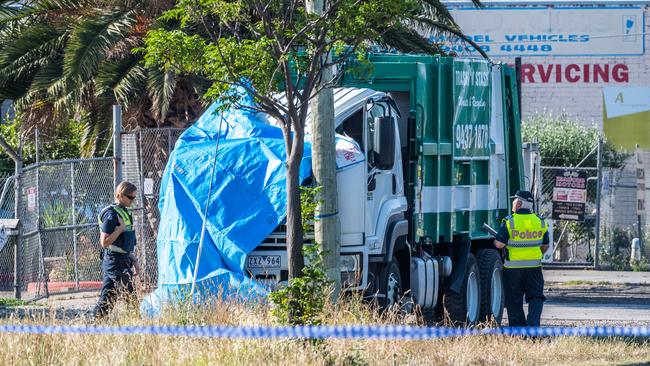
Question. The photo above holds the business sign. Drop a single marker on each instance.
(31, 199)
(550, 31)
(569, 194)
(471, 108)
(571, 73)
(626, 121)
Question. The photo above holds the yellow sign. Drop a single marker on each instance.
(626, 117)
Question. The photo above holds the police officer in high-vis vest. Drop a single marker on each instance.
(524, 234)
(117, 239)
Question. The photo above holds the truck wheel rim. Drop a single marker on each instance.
(496, 288)
(472, 298)
(393, 289)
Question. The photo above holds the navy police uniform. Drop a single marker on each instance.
(524, 233)
(116, 260)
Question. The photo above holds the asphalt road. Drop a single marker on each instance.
(596, 298)
(574, 298)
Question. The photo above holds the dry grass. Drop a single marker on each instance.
(154, 350)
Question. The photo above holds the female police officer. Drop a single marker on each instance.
(117, 238)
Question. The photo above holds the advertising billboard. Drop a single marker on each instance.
(550, 31)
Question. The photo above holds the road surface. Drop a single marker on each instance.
(574, 298)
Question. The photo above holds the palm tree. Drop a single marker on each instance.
(433, 17)
(64, 59)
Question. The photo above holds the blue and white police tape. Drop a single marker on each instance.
(390, 332)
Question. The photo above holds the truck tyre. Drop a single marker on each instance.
(390, 286)
(492, 295)
(464, 307)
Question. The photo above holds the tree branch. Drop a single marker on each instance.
(9, 150)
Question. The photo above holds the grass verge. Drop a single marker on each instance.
(8, 303)
(159, 350)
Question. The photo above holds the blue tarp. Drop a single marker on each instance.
(247, 203)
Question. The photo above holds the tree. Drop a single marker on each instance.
(61, 142)
(276, 47)
(564, 141)
(65, 59)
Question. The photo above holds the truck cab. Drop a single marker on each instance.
(371, 193)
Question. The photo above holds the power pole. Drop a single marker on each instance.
(326, 226)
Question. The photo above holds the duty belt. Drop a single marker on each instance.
(115, 249)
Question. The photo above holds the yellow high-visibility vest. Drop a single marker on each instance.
(127, 222)
(526, 235)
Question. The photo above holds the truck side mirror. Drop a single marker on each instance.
(384, 143)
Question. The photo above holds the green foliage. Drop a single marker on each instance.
(62, 142)
(616, 247)
(231, 41)
(55, 213)
(9, 302)
(65, 60)
(640, 266)
(302, 301)
(565, 142)
(308, 203)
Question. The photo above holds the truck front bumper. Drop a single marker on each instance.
(270, 266)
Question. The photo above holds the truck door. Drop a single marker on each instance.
(381, 178)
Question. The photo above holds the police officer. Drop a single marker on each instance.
(525, 237)
(117, 238)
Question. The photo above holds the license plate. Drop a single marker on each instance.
(264, 261)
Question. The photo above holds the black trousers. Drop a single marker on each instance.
(520, 282)
(117, 279)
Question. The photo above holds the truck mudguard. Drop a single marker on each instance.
(397, 227)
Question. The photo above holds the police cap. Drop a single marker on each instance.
(525, 196)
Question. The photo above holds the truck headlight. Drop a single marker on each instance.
(351, 269)
(351, 263)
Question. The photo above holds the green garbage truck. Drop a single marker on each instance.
(443, 156)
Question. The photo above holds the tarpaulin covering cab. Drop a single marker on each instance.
(247, 202)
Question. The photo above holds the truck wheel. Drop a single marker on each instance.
(464, 307)
(390, 286)
(492, 296)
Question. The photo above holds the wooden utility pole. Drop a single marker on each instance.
(326, 226)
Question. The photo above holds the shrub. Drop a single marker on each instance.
(565, 142)
(302, 301)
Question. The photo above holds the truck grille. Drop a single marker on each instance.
(278, 238)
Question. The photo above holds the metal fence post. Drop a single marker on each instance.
(42, 270)
(37, 145)
(117, 145)
(599, 166)
(74, 229)
(17, 215)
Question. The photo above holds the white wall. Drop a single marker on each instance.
(581, 97)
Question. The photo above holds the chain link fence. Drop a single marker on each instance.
(620, 223)
(7, 212)
(6, 195)
(574, 235)
(603, 236)
(59, 204)
(144, 157)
